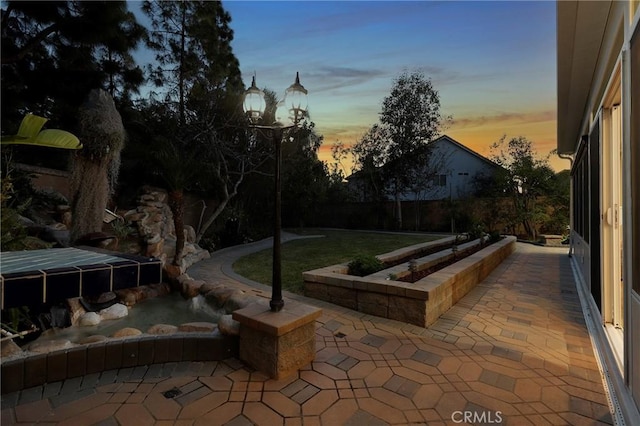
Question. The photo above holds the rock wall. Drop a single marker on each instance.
(154, 221)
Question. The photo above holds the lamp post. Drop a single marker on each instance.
(295, 107)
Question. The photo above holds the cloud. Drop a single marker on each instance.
(333, 77)
(347, 16)
(506, 117)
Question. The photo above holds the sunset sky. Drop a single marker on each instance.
(494, 63)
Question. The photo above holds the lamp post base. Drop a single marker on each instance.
(276, 305)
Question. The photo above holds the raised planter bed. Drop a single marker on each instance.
(420, 303)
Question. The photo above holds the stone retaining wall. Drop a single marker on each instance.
(420, 303)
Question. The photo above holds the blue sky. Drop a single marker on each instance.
(494, 63)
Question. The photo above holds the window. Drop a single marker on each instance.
(441, 180)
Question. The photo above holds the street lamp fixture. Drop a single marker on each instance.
(294, 105)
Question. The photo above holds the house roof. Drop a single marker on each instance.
(587, 32)
(445, 138)
(442, 140)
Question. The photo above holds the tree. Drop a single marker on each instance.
(369, 155)
(95, 168)
(54, 53)
(202, 91)
(526, 179)
(304, 176)
(410, 119)
(337, 192)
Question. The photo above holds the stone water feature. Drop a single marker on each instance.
(276, 343)
(154, 222)
(51, 358)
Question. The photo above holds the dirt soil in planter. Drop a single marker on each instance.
(416, 276)
(421, 253)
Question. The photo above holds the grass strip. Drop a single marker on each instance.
(336, 246)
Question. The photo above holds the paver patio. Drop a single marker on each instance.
(514, 351)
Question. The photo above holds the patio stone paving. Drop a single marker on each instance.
(515, 350)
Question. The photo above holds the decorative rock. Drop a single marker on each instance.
(50, 346)
(131, 296)
(162, 329)
(198, 327)
(135, 216)
(114, 312)
(66, 218)
(190, 234)
(155, 249)
(189, 249)
(160, 289)
(106, 297)
(9, 348)
(127, 297)
(89, 318)
(171, 271)
(76, 310)
(228, 326)
(183, 278)
(238, 300)
(190, 289)
(127, 332)
(219, 296)
(95, 338)
(207, 287)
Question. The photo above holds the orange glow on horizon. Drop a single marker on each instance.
(478, 138)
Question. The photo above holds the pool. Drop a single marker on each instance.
(171, 309)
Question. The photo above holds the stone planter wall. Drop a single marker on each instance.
(420, 303)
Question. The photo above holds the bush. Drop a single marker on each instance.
(494, 236)
(365, 265)
(475, 231)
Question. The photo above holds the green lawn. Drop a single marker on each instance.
(307, 254)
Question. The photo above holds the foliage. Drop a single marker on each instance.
(337, 191)
(365, 265)
(494, 236)
(192, 41)
(476, 231)
(15, 318)
(304, 177)
(527, 180)
(54, 53)
(200, 100)
(394, 155)
(13, 234)
(121, 229)
(559, 201)
(30, 133)
(369, 157)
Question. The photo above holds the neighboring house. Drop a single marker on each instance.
(599, 130)
(450, 174)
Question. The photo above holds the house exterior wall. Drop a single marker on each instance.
(457, 168)
(598, 126)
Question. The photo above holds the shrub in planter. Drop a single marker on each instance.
(365, 265)
(494, 236)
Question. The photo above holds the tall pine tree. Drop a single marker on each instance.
(200, 85)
